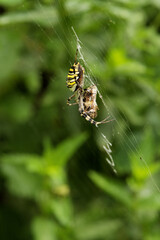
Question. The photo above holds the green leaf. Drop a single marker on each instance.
(116, 190)
(148, 145)
(124, 65)
(97, 229)
(124, 106)
(19, 168)
(43, 229)
(143, 166)
(62, 153)
(11, 2)
(149, 202)
(43, 15)
(9, 53)
(17, 108)
(20, 182)
(62, 209)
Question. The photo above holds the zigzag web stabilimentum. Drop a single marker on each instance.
(107, 144)
(89, 76)
(131, 144)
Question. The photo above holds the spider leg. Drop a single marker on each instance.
(78, 84)
(92, 121)
(106, 120)
(69, 99)
(71, 104)
(81, 105)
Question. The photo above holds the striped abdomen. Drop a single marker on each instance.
(75, 77)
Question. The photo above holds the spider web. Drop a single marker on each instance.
(89, 76)
(107, 144)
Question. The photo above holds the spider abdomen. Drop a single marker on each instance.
(75, 77)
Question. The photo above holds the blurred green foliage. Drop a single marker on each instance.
(55, 182)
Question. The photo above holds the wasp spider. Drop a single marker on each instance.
(85, 98)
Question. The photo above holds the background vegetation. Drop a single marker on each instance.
(55, 182)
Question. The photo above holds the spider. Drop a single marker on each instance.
(85, 98)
